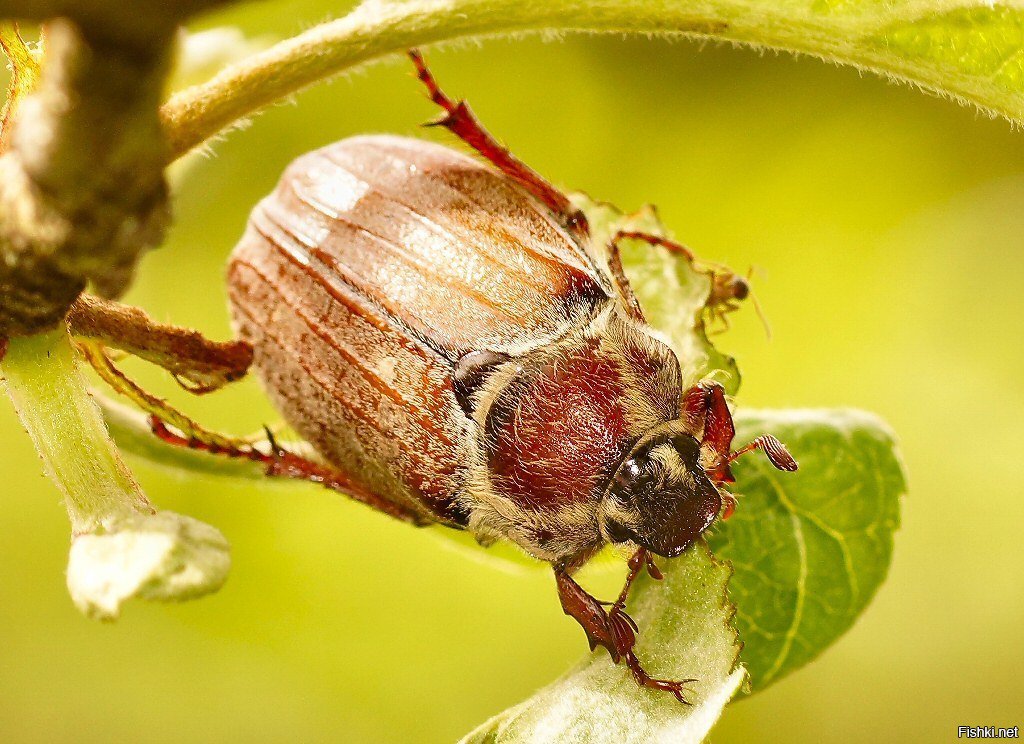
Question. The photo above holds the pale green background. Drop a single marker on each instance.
(888, 224)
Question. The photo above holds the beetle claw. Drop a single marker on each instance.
(674, 687)
(652, 568)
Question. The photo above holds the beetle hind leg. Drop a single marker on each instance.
(282, 463)
(196, 363)
(99, 358)
(460, 121)
(279, 462)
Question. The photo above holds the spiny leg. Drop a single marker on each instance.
(97, 356)
(651, 239)
(459, 119)
(619, 273)
(720, 274)
(641, 558)
(622, 281)
(281, 463)
(727, 287)
(613, 629)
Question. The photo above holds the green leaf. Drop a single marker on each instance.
(809, 549)
(968, 50)
(685, 633)
(973, 50)
(671, 291)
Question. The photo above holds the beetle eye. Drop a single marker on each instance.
(636, 477)
(740, 288)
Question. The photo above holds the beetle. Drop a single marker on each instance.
(447, 336)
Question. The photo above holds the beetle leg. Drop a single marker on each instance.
(99, 358)
(613, 630)
(651, 239)
(619, 274)
(459, 119)
(674, 686)
(718, 305)
(281, 463)
(589, 613)
(621, 280)
(706, 412)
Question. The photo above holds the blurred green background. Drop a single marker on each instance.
(888, 227)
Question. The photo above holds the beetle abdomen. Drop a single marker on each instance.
(375, 264)
(344, 379)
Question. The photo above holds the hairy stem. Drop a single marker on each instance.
(376, 29)
(51, 398)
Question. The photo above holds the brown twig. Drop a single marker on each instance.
(82, 189)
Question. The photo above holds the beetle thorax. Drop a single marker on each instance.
(552, 426)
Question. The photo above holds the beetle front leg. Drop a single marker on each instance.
(589, 612)
(613, 629)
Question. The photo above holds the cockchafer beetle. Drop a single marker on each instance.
(447, 337)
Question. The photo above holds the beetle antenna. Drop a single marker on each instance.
(775, 451)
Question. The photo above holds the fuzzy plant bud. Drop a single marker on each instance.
(122, 547)
(162, 556)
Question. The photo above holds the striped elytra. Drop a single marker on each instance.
(380, 263)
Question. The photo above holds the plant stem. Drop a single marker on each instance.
(376, 29)
(51, 398)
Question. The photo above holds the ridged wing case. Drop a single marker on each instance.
(374, 266)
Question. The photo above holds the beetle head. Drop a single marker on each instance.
(660, 497)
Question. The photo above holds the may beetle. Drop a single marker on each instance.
(447, 336)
